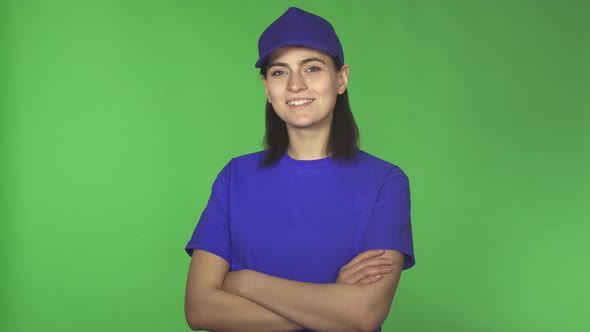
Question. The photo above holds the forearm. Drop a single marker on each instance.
(320, 307)
(221, 311)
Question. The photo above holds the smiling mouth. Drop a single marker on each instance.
(299, 102)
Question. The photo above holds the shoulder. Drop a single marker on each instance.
(254, 158)
(250, 162)
(245, 164)
(378, 166)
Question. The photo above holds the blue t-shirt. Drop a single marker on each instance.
(304, 219)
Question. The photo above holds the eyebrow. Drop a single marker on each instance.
(302, 62)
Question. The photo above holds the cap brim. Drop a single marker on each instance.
(317, 46)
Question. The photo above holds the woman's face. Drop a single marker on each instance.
(302, 85)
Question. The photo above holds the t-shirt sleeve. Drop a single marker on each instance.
(389, 226)
(212, 233)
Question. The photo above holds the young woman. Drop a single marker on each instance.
(311, 233)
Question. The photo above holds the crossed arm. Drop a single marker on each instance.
(246, 300)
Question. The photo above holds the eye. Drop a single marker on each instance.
(313, 69)
(278, 73)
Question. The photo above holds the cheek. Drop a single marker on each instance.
(333, 86)
(272, 92)
(330, 93)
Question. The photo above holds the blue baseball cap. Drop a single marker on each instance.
(297, 27)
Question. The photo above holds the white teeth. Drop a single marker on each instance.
(299, 102)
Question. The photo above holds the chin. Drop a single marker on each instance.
(300, 125)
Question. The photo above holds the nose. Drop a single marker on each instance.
(296, 82)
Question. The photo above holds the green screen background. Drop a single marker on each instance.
(115, 117)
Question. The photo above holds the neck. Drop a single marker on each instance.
(308, 144)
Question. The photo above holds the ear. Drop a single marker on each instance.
(343, 75)
(265, 83)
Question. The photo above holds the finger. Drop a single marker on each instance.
(369, 263)
(368, 272)
(354, 278)
(364, 269)
(370, 280)
(363, 256)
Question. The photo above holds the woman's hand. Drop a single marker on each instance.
(358, 301)
(365, 268)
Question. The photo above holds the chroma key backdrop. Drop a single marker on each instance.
(116, 116)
